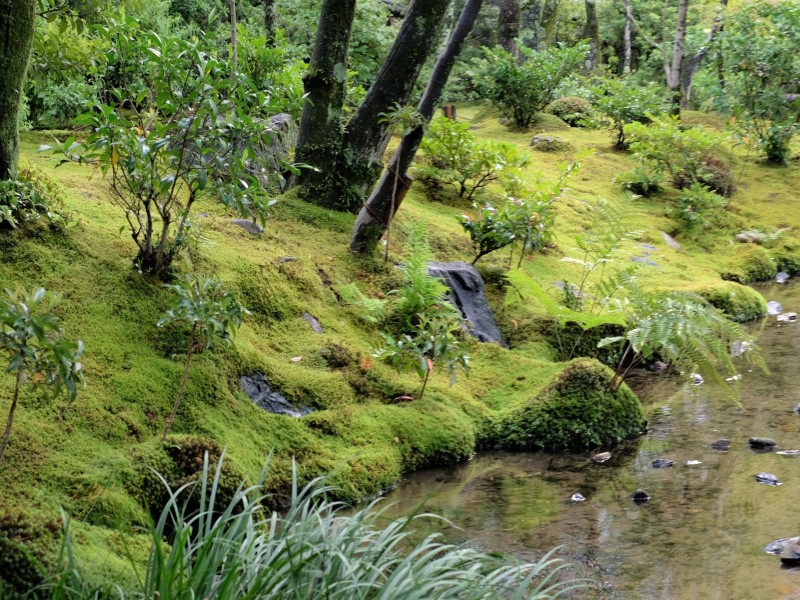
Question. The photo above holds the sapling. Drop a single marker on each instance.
(38, 356)
(213, 316)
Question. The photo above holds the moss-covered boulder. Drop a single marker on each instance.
(740, 302)
(575, 411)
(749, 263)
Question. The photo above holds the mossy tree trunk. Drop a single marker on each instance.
(539, 17)
(16, 38)
(591, 32)
(628, 52)
(692, 63)
(367, 135)
(270, 21)
(320, 136)
(376, 215)
(676, 68)
(508, 22)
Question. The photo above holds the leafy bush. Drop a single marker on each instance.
(491, 228)
(695, 204)
(29, 198)
(61, 103)
(740, 303)
(621, 101)
(521, 89)
(642, 180)
(458, 158)
(573, 110)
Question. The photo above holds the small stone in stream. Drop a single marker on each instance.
(797, 409)
(791, 554)
(789, 453)
(782, 277)
(602, 457)
(691, 463)
(774, 308)
(737, 377)
(757, 443)
(640, 496)
(577, 497)
(789, 317)
(249, 226)
(722, 444)
(768, 478)
(670, 242)
(777, 547)
(663, 463)
(739, 347)
(316, 326)
(696, 379)
(658, 366)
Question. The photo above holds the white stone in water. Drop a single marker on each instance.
(781, 277)
(774, 308)
(737, 377)
(577, 497)
(696, 378)
(693, 462)
(788, 317)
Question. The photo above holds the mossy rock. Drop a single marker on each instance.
(575, 411)
(740, 302)
(787, 260)
(570, 109)
(27, 548)
(750, 263)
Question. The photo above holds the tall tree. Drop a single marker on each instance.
(626, 38)
(269, 21)
(539, 18)
(693, 62)
(591, 32)
(376, 215)
(508, 21)
(674, 71)
(325, 85)
(16, 39)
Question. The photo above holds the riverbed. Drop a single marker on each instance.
(701, 536)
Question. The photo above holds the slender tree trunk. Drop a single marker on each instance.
(674, 73)
(171, 418)
(692, 64)
(627, 53)
(508, 25)
(425, 383)
(270, 21)
(381, 207)
(16, 39)
(10, 422)
(591, 31)
(320, 135)
(234, 36)
(366, 136)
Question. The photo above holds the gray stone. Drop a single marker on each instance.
(259, 391)
(722, 445)
(789, 453)
(768, 478)
(249, 226)
(670, 242)
(468, 294)
(282, 122)
(315, 324)
(663, 463)
(777, 547)
(602, 457)
(774, 308)
(750, 237)
(644, 260)
(757, 443)
(791, 554)
(782, 277)
(577, 497)
(789, 317)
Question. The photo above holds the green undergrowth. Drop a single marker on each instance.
(92, 457)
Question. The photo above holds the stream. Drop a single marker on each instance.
(703, 532)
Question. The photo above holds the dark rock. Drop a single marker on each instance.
(249, 226)
(670, 242)
(258, 390)
(315, 325)
(723, 445)
(640, 496)
(663, 463)
(768, 478)
(791, 553)
(467, 293)
(761, 443)
(777, 547)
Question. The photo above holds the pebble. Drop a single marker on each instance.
(691, 463)
(577, 497)
(602, 457)
(768, 479)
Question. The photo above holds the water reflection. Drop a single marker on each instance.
(702, 533)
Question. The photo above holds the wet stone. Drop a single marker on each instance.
(777, 547)
(577, 497)
(768, 479)
(602, 457)
(721, 444)
(259, 391)
(663, 463)
(640, 496)
(757, 443)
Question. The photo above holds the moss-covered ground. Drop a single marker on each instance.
(89, 456)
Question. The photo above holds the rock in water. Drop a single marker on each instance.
(774, 308)
(640, 496)
(797, 409)
(602, 457)
(789, 317)
(789, 453)
(577, 497)
(761, 443)
(791, 554)
(768, 478)
(723, 445)
(467, 292)
(782, 277)
(258, 390)
(777, 547)
(663, 463)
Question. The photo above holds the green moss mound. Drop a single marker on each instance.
(740, 302)
(750, 263)
(575, 411)
(26, 550)
(570, 109)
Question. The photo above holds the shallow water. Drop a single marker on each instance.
(700, 536)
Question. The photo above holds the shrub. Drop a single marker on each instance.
(61, 103)
(29, 198)
(621, 101)
(696, 204)
(458, 158)
(642, 180)
(739, 302)
(750, 263)
(573, 110)
(521, 89)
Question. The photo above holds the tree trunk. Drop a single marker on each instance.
(381, 207)
(16, 39)
(366, 136)
(674, 73)
(269, 21)
(627, 53)
(539, 17)
(692, 64)
(234, 36)
(171, 418)
(320, 135)
(508, 25)
(10, 422)
(591, 31)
